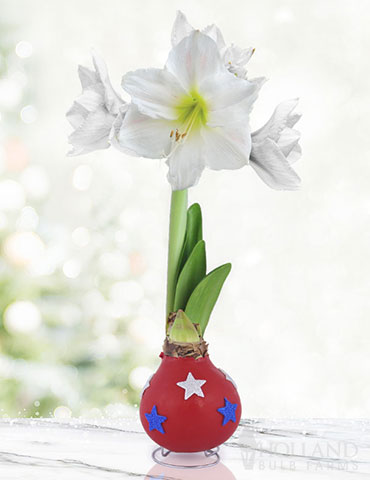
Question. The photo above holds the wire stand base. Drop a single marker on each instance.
(209, 458)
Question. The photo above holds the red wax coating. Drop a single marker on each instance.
(192, 425)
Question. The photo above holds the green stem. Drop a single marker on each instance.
(179, 203)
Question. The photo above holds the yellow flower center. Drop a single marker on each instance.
(192, 113)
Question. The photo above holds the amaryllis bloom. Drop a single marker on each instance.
(275, 148)
(194, 112)
(233, 57)
(93, 113)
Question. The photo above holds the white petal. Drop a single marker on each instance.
(117, 124)
(76, 114)
(155, 92)
(293, 119)
(272, 167)
(228, 147)
(258, 83)
(95, 129)
(194, 59)
(181, 28)
(215, 33)
(295, 154)
(224, 90)
(288, 140)
(93, 134)
(112, 100)
(144, 136)
(235, 55)
(236, 113)
(87, 76)
(100, 67)
(101, 144)
(235, 59)
(92, 98)
(186, 163)
(280, 119)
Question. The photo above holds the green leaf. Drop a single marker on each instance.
(194, 270)
(205, 295)
(183, 330)
(194, 233)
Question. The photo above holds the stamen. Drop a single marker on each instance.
(171, 134)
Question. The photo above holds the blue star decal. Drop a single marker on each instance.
(228, 411)
(155, 420)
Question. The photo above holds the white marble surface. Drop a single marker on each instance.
(111, 449)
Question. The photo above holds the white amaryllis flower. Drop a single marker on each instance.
(93, 113)
(275, 148)
(234, 57)
(194, 112)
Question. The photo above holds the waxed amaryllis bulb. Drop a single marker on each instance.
(189, 405)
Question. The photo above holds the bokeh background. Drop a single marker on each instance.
(83, 239)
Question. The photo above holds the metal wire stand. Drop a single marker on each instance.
(160, 454)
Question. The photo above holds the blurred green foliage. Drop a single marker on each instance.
(61, 343)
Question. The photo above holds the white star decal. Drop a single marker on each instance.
(228, 377)
(192, 386)
(147, 385)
